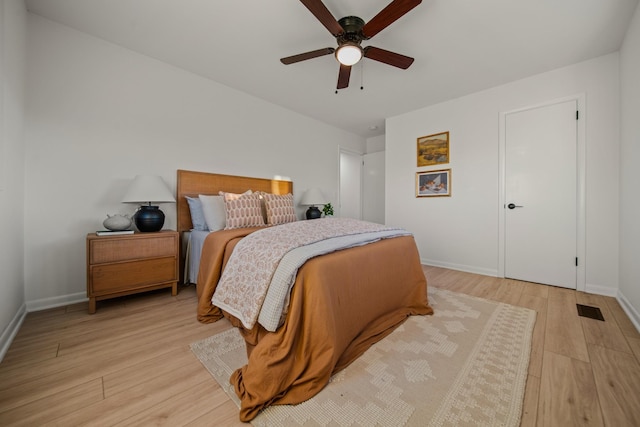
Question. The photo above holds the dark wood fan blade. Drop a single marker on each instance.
(323, 15)
(388, 16)
(307, 55)
(343, 76)
(388, 57)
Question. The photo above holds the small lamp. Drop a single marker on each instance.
(311, 198)
(148, 189)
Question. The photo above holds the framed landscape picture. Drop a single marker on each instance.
(433, 183)
(433, 149)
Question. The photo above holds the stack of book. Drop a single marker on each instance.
(113, 233)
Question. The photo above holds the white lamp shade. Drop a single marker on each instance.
(312, 197)
(349, 54)
(148, 189)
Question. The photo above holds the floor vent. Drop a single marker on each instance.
(590, 312)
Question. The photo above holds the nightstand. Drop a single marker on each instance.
(131, 263)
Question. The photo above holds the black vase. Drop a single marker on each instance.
(149, 218)
(313, 212)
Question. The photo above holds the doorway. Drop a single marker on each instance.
(350, 184)
(542, 194)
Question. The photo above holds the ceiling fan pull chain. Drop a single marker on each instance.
(361, 75)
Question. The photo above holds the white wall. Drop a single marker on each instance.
(375, 144)
(13, 24)
(373, 178)
(461, 231)
(629, 170)
(98, 114)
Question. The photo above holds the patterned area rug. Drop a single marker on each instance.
(465, 365)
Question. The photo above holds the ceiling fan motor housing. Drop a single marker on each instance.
(352, 26)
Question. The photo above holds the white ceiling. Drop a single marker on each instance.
(459, 46)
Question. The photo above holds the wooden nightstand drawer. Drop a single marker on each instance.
(127, 264)
(110, 278)
(126, 248)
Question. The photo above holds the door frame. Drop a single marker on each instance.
(580, 181)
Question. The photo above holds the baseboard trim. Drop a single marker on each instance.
(53, 302)
(42, 304)
(11, 330)
(460, 267)
(591, 289)
(633, 314)
(601, 290)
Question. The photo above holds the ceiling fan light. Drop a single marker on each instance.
(349, 54)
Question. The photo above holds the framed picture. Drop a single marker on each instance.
(433, 149)
(433, 183)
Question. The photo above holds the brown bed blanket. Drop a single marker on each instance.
(341, 304)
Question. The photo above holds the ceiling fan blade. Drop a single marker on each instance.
(323, 15)
(343, 76)
(307, 55)
(388, 16)
(388, 57)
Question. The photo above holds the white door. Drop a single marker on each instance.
(541, 195)
(373, 187)
(350, 185)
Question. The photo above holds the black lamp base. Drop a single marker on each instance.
(149, 219)
(313, 212)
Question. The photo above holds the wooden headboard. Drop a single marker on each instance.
(190, 183)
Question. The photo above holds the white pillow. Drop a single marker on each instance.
(214, 211)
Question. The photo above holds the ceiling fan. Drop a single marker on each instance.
(350, 31)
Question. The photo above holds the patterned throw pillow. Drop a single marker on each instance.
(243, 211)
(233, 196)
(280, 208)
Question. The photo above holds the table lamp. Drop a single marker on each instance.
(311, 198)
(148, 189)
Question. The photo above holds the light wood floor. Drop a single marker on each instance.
(130, 363)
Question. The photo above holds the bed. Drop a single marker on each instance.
(340, 303)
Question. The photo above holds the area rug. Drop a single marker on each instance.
(465, 365)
